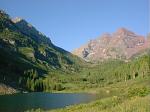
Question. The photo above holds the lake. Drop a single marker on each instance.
(25, 101)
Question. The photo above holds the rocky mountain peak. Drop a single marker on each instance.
(20, 21)
(122, 44)
(122, 30)
(29, 30)
(17, 20)
(3, 14)
(123, 33)
(105, 37)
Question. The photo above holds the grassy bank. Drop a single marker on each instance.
(130, 96)
(113, 104)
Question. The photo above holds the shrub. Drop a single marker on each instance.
(143, 91)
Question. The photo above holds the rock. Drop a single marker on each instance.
(122, 44)
(4, 89)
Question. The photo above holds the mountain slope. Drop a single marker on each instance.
(26, 53)
(122, 44)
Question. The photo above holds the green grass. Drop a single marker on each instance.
(113, 104)
(29, 52)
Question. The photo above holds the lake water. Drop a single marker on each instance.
(21, 102)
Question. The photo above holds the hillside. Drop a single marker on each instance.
(27, 54)
(123, 44)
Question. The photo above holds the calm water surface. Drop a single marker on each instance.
(21, 102)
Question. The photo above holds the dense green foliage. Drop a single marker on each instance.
(116, 71)
(105, 73)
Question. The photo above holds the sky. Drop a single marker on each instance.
(72, 23)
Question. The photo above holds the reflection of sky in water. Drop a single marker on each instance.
(20, 102)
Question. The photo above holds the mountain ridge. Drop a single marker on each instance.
(26, 52)
(122, 44)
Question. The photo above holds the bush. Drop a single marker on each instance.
(143, 91)
(57, 87)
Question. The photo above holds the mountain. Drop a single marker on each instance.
(28, 55)
(122, 44)
(29, 30)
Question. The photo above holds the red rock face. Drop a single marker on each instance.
(122, 44)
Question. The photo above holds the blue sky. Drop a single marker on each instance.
(72, 23)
